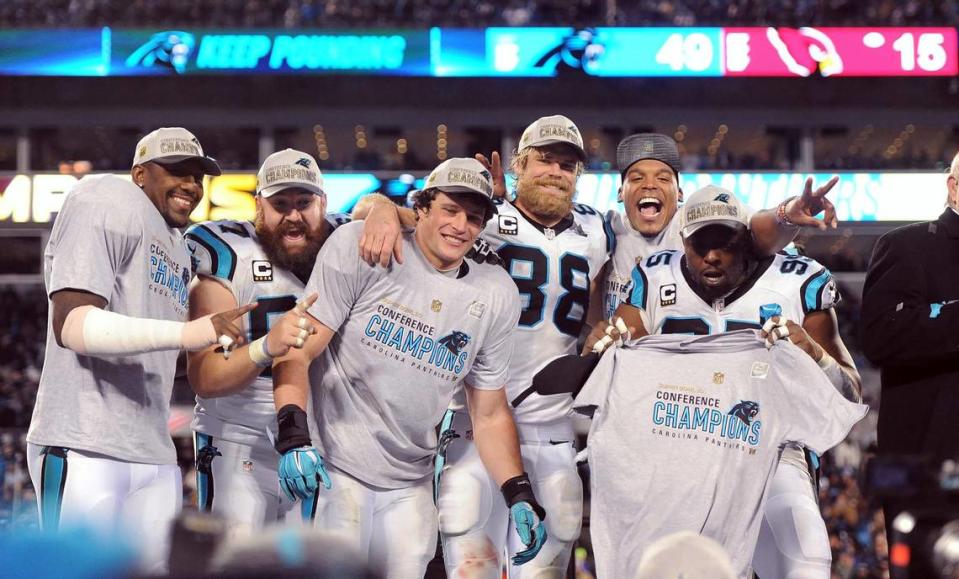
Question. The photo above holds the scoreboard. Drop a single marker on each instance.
(488, 52)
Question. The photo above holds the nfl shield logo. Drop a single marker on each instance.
(718, 377)
(436, 306)
(248, 466)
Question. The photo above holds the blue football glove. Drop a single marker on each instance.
(531, 530)
(300, 470)
(528, 517)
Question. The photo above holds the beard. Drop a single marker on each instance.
(542, 204)
(299, 261)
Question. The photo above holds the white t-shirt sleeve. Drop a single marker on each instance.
(815, 414)
(91, 241)
(339, 276)
(491, 365)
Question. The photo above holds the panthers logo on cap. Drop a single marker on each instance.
(303, 162)
(722, 198)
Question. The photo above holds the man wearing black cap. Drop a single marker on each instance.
(117, 272)
(649, 164)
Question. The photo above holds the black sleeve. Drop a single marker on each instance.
(900, 325)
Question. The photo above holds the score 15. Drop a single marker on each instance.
(928, 52)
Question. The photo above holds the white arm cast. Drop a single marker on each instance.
(92, 331)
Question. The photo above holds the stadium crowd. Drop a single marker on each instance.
(464, 13)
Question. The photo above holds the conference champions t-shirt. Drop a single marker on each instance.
(110, 240)
(686, 435)
(407, 338)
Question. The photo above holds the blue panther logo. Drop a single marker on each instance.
(486, 175)
(170, 49)
(303, 162)
(455, 341)
(746, 410)
(722, 198)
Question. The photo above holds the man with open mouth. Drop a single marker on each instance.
(649, 165)
(266, 261)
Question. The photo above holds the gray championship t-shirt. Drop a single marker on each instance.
(407, 338)
(110, 240)
(686, 436)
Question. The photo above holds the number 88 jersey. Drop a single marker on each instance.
(787, 284)
(552, 269)
(230, 253)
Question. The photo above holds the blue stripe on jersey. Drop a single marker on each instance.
(446, 435)
(610, 237)
(308, 505)
(812, 291)
(637, 294)
(204, 481)
(53, 479)
(223, 263)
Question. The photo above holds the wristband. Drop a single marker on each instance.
(781, 217)
(518, 489)
(293, 430)
(259, 354)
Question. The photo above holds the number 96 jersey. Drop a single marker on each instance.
(552, 268)
(787, 285)
(230, 253)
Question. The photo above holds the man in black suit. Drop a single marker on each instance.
(910, 315)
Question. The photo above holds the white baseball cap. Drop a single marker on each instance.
(685, 555)
(287, 169)
(462, 175)
(552, 130)
(712, 205)
(171, 145)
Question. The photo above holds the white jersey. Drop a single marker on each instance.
(632, 247)
(230, 253)
(788, 285)
(552, 269)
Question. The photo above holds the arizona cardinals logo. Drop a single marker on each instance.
(170, 49)
(746, 410)
(455, 341)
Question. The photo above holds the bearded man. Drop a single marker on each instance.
(267, 261)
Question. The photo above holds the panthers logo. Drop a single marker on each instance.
(745, 411)
(486, 175)
(304, 162)
(169, 49)
(455, 342)
(722, 198)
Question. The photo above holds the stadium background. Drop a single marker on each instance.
(67, 108)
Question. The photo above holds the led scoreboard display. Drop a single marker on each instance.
(839, 51)
(715, 52)
(489, 52)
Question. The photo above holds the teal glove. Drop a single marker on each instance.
(528, 517)
(531, 529)
(300, 470)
